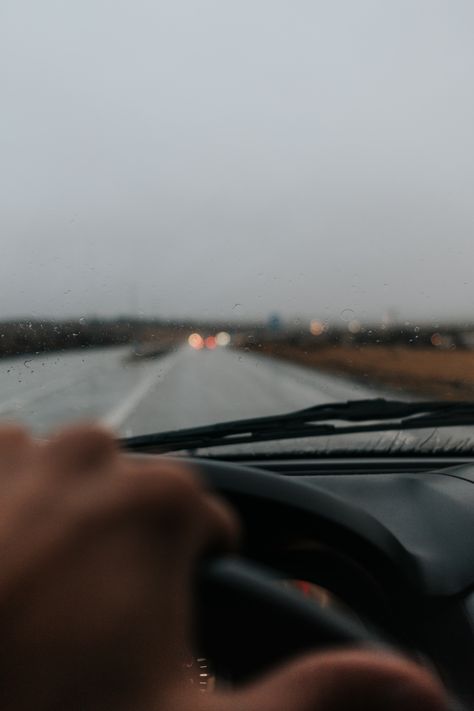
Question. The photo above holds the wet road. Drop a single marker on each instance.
(181, 389)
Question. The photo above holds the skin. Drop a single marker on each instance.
(97, 555)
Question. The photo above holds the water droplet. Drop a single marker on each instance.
(82, 320)
(347, 314)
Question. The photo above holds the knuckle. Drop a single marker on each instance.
(223, 521)
(14, 435)
(82, 445)
(84, 433)
(166, 489)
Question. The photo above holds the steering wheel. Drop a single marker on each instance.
(246, 622)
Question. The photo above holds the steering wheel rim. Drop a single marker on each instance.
(235, 595)
(350, 529)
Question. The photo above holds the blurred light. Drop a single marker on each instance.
(196, 341)
(210, 342)
(354, 326)
(316, 328)
(223, 338)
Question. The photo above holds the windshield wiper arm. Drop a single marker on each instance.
(372, 415)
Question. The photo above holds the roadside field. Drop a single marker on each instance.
(424, 371)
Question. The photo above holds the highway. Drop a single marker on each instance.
(184, 388)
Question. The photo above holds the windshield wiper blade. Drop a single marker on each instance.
(372, 415)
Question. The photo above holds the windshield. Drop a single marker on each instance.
(213, 210)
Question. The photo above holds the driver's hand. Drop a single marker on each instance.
(97, 554)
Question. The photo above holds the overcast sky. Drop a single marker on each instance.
(217, 158)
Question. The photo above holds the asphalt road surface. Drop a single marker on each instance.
(181, 389)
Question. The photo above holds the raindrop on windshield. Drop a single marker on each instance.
(348, 314)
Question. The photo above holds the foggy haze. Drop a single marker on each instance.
(235, 159)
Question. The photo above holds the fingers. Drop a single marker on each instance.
(79, 450)
(176, 488)
(341, 681)
(79, 485)
(86, 459)
(170, 498)
(99, 484)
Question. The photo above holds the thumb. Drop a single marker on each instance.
(340, 681)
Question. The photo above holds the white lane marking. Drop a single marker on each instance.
(117, 416)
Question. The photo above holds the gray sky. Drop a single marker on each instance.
(186, 156)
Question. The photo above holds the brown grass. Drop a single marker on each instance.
(445, 374)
